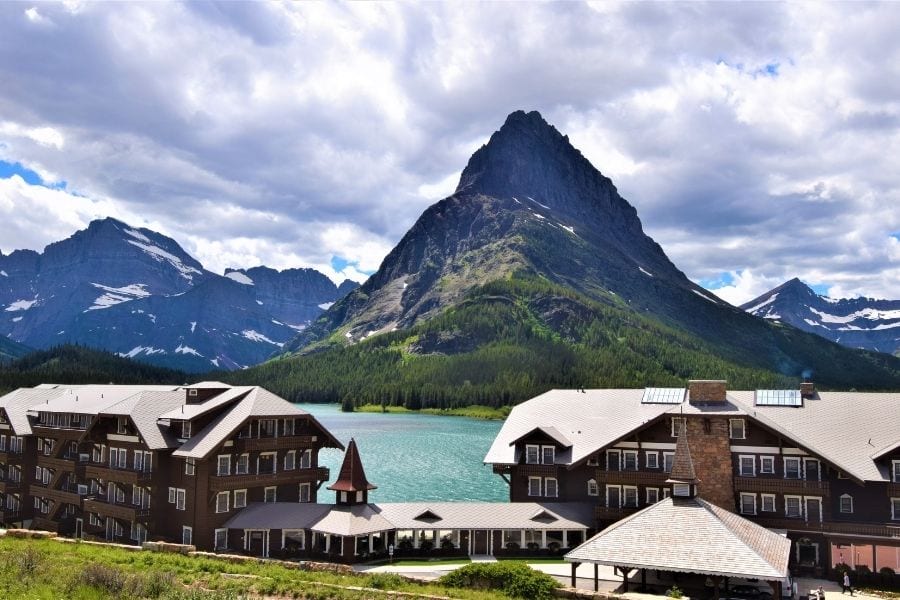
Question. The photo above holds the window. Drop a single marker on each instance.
(138, 533)
(224, 465)
(737, 429)
(613, 496)
(548, 455)
(180, 497)
(532, 454)
(792, 468)
(15, 444)
(534, 486)
(630, 496)
(668, 457)
(290, 460)
(120, 494)
(550, 487)
(187, 535)
(118, 458)
(171, 495)
(652, 495)
(748, 504)
(592, 461)
(2, 443)
(895, 509)
(359, 496)
(677, 426)
(306, 459)
(896, 470)
(137, 495)
(267, 427)
(95, 520)
(240, 498)
(613, 460)
(121, 423)
(793, 506)
(190, 466)
(846, 503)
(682, 490)
(295, 538)
(305, 495)
(269, 494)
(185, 429)
(767, 465)
(768, 503)
(222, 499)
(747, 465)
(243, 464)
(289, 427)
(630, 460)
(220, 541)
(592, 488)
(652, 459)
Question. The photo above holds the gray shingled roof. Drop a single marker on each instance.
(143, 409)
(371, 518)
(92, 399)
(689, 536)
(186, 412)
(18, 402)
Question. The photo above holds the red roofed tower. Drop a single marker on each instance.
(352, 487)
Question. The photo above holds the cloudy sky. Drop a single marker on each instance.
(759, 142)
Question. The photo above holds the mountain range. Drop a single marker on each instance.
(137, 293)
(536, 273)
(854, 322)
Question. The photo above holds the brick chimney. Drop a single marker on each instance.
(807, 389)
(706, 391)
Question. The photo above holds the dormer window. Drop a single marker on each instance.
(677, 426)
(536, 455)
(121, 423)
(532, 454)
(549, 454)
(737, 429)
(185, 429)
(681, 490)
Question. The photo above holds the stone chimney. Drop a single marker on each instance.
(706, 391)
(807, 389)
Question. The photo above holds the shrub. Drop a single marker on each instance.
(513, 546)
(102, 577)
(386, 581)
(28, 561)
(516, 579)
(886, 571)
(674, 592)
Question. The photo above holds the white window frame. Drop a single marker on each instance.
(217, 543)
(185, 430)
(762, 504)
(2, 443)
(767, 460)
(895, 509)
(274, 490)
(630, 497)
(305, 459)
(290, 460)
(592, 488)
(652, 495)
(618, 488)
(240, 498)
(752, 459)
(634, 455)
(223, 459)
(681, 490)
(190, 466)
(651, 459)
(745, 496)
(242, 459)
(593, 461)
(551, 482)
(180, 499)
(171, 495)
(841, 504)
(671, 459)
(678, 421)
(532, 454)
(799, 462)
(121, 425)
(548, 451)
(531, 484)
(895, 464)
(187, 535)
(617, 463)
(799, 500)
(220, 497)
(743, 429)
(300, 495)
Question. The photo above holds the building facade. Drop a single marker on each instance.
(137, 463)
(823, 466)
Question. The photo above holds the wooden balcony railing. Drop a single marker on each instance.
(125, 512)
(607, 513)
(58, 433)
(539, 470)
(265, 444)
(103, 471)
(782, 486)
(57, 464)
(10, 486)
(10, 516)
(44, 524)
(58, 495)
(222, 483)
(873, 529)
(655, 478)
(893, 490)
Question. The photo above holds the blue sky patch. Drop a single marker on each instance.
(8, 169)
(722, 280)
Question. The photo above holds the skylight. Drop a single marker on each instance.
(778, 398)
(663, 396)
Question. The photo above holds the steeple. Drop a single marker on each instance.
(683, 478)
(351, 486)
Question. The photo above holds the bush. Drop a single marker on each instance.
(674, 592)
(386, 581)
(512, 546)
(28, 561)
(102, 577)
(516, 579)
(886, 571)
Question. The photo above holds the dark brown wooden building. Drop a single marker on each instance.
(824, 466)
(137, 463)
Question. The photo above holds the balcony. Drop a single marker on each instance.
(893, 490)
(58, 433)
(774, 485)
(606, 513)
(10, 516)
(223, 483)
(62, 496)
(57, 464)
(7, 457)
(125, 512)
(10, 486)
(44, 524)
(653, 478)
(536, 470)
(266, 444)
(873, 529)
(104, 472)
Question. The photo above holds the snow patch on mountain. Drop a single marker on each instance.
(138, 235)
(705, 297)
(182, 349)
(21, 305)
(146, 350)
(239, 277)
(645, 272)
(4, 273)
(118, 295)
(193, 326)
(327, 305)
(17, 319)
(161, 255)
(768, 300)
(255, 336)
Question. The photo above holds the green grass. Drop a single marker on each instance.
(52, 569)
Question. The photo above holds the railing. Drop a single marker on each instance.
(893, 490)
(657, 478)
(62, 495)
(874, 529)
(222, 483)
(248, 444)
(613, 513)
(57, 464)
(539, 470)
(59, 433)
(44, 524)
(781, 486)
(105, 472)
(10, 516)
(117, 511)
(10, 486)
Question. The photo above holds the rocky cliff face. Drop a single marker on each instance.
(138, 293)
(864, 323)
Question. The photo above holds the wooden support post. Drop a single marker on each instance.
(716, 581)
(644, 581)
(574, 568)
(596, 578)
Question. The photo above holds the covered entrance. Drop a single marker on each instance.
(256, 542)
(481, 542)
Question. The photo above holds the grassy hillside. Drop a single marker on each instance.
(80, 365)
(510, 340)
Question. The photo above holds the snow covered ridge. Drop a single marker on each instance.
(161, 255)
(138, 350)
(255, 336)
(239, 277)
(871, 314)
(768, 300)
(182, 349)
(119, 295)
(21, 305)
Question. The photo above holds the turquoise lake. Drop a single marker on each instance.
(414, 457)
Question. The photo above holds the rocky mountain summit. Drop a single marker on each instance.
(865, 323)
(138, 293)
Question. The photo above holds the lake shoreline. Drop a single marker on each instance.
(475, 411)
